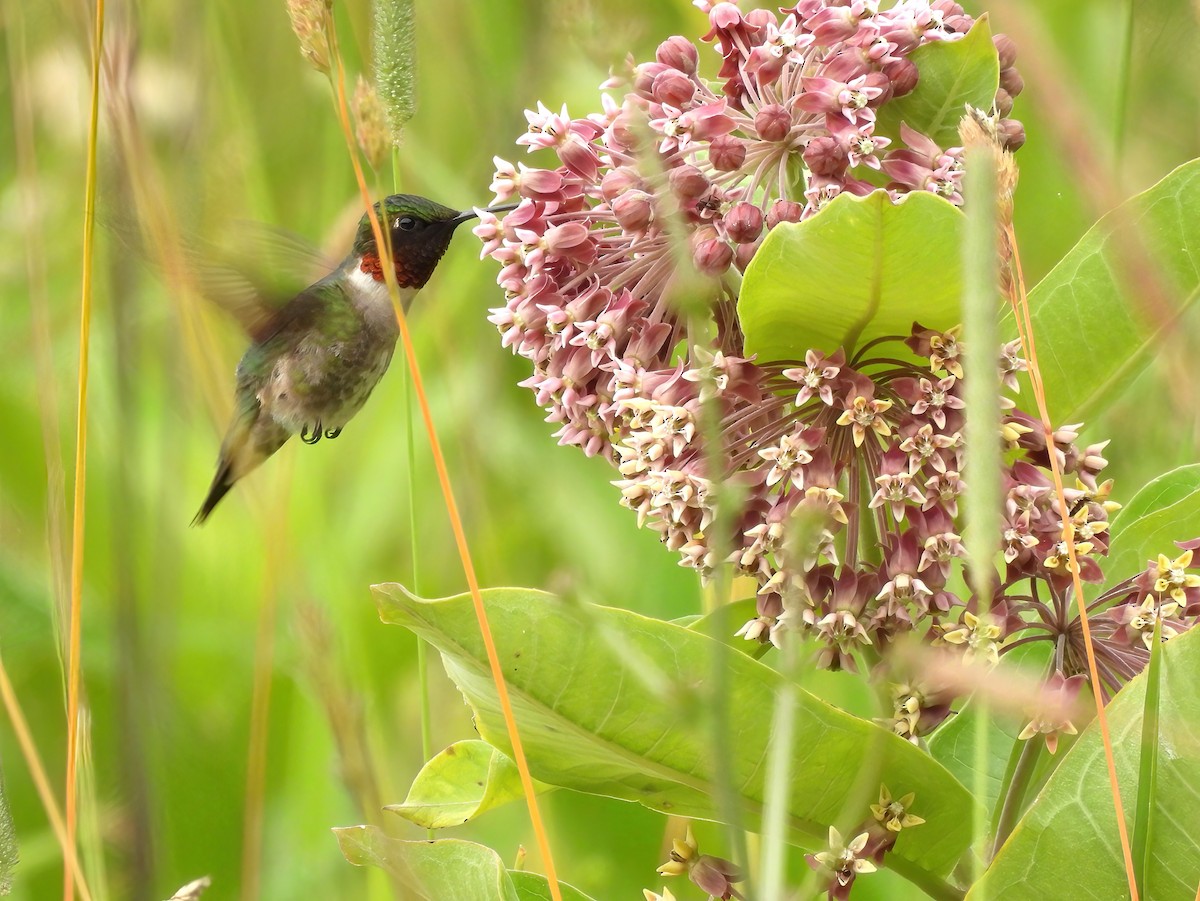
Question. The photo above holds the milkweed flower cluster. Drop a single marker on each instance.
(591, 254)
(654, 205)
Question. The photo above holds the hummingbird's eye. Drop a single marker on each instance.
(405, 223)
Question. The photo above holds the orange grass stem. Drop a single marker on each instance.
(260, 718)
(1020, 303)
(74, 674)
(439, 462)
(38, 772)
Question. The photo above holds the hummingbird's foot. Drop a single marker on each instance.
(311, 437)
(332, 433)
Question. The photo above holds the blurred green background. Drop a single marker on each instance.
(238, 127)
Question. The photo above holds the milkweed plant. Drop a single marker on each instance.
(744, 293)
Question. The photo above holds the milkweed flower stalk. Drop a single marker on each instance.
(670, 191)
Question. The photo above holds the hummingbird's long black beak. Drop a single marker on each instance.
(467, 215)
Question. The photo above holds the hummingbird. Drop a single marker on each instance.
(315, 359)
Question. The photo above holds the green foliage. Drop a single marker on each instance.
(535, 887)
(239, 128)
(1069, 836)
(1096, 326)
(465, 780)
(954, 743)
(591, 721)
(863, 268)
(953, 75)
(446, 870)
(1165, 511)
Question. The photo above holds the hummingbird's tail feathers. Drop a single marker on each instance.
(251, 439)
(221, 484)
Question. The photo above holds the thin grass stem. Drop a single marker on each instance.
(41, 783)
(410, 429)
(1020, 303)
(443, 474)
(74, 641)
(260, 713)
(1124, 73)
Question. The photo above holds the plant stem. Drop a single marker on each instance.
(936, 888)
(1011, 767)
(778, 781)
(338, 80)
(414, 550)
(981, 397)
(1148, 761)
(74, 640)
(1017, 789)
(1124, 70)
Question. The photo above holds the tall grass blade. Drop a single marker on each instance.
(74, 649)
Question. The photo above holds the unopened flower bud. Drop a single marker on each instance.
(678, 53)
(688, 182)
(903, 75)
(744, 253)
(784, 211)
(1012, 134)
(760, 18)
(1003, 102)
(743, 222)
(617, 181)
(773, 122)
(643, 77)
(571, 239)
(714, 875)
(629, 130)
(727, 153)
(825, 156)
(1011, 81)
(1006, 47)
(633, 210)
(959, 22)
(711, 256)
(673, 87)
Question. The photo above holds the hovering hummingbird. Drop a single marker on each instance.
(315, 359)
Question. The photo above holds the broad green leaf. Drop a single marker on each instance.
(723, 624)
(953, 743)
(590, 722)
(953, 74)
(862, 268)
(1166, 510)
(465, 780)
(1068, 837)
(1092, 331)
(445, 870)
(536, 887)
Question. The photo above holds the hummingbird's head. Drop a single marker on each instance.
(419, 230)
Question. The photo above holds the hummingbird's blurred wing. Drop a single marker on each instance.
(255, 273)
(252, 272)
